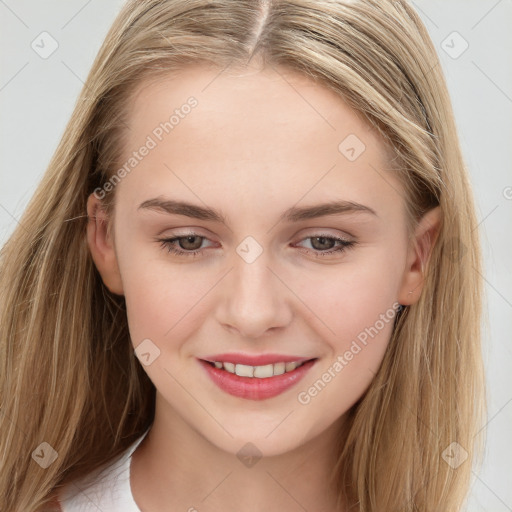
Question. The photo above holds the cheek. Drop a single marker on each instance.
(352, 296)
(363, 325)
(162, 299)
(355, 309)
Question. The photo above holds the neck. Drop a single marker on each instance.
(176, 464)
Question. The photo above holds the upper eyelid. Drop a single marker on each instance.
(320, 233)
(341, 249)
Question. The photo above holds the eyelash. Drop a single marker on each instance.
(168, 244)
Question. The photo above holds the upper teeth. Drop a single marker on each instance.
(261, 372)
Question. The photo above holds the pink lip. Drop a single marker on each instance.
(254, 388)
(253, 360)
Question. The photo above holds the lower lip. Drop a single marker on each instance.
(252, 388)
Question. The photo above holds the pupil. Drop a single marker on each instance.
(189, 239)
(323, 242)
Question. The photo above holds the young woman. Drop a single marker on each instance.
(249, 279)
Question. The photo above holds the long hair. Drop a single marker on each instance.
(68, 373)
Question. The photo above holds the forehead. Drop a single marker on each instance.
(254, 104)
(257, 131)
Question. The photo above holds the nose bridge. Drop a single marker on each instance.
(255, 298)
(253, 280)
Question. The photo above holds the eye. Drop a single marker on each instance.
(322, 245)
(190, 245)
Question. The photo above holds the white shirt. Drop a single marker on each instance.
(106, 489)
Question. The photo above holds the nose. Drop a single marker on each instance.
(254, 299)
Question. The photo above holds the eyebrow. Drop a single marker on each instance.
(293, 214)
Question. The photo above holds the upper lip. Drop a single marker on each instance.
(254, 360)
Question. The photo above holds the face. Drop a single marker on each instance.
(255, 265)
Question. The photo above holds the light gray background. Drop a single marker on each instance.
(37, 97)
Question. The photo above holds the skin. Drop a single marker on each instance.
(259, 142)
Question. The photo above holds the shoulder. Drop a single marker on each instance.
(105, 488)
(108, 485)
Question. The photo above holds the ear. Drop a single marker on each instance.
(418, 256)
(101, 245)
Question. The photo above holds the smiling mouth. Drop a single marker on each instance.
(256, 382)
(259, 372)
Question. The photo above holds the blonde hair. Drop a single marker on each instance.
(69, 375)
